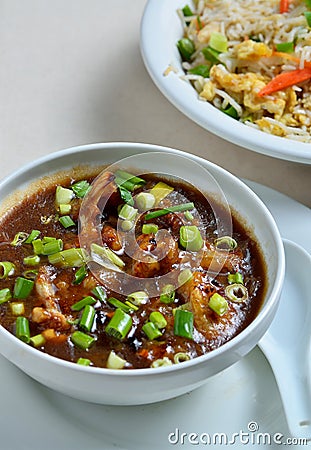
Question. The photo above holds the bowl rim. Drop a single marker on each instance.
(229, 345)
(158, 55)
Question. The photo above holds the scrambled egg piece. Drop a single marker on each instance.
(251, 50)
(271, 128)
(208, 92)
(247, 86)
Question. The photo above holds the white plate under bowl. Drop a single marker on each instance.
(161, 28)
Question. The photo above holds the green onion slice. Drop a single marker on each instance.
(64, 209)
(84, 362)
(22, 330)
(22, 287)
(31, 260)
(30, 274)
(145, 201)
(82, 340)
(80, 275)
(225, 243)
(81, 188)
(218, 42)
(187, 11)
(149, 228)
(63, 196)
(138, 298)
(37, 245)
(151, 331)
(126, 196)
(71, 257)
(218, 304)
(7, 269)
(183, 323)
(190, 238)
(19, 238)
(158, 319)
(184, 276)
(66, 221)
(211, 55)
(119, 325)
(307, 15)
(106, 254)
(100, 293)
(181, 357)
(125, 306)
(127, 212)
(53, 246)
(285, 47)
(5, 295)
(202, 70)
(87, 318)
(168, 294)
(115, 362)
(231, 111)
(89, 300)
(38, 340)
(163, 362)
(235, 278)
(171, 209)
(32, 236)
(236, 292)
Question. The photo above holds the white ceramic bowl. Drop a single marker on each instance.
(161, 28)
(148, 385)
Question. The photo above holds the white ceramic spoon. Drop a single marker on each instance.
(287, 342)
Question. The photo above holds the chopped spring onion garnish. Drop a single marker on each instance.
(190, 238)
(66, 221)
(127, 225)
(89, 300)
(84, 362)
(161, 363)
(188, 215)
(119, 325)
(37, 245)
(87, 318)
(187, 11)
(218, 304)
(33, 235)
(17, 308)
(211, 55)
(230, 111)
(285, 47)
(218, 42)
(160, 191)
(63, 196)
(47, 239)
(72, 257)
(151, 330)
(114, 361)
(22, 287)
(226, 243)
(64, 209)
(19, 238)
(171, 209)
(80, 275)
(100, 293)
(127, 212)
(7, 269)
(202, 70)
(38, 340)
(158, 319)
(31, 260)
(126, 196)
(81, 188)
(126, 307)
(184, 276)
(82, 340)
(5, 295)
(183, 323)
(186, 48)
(237, 292)
(235, 278)
(52, 247)
(22, 329)
(30, 274)
(145, 201)
(107, 254)
(181, 357)
(168, 294)
(130, 179)
(149, 228)
(138, 298)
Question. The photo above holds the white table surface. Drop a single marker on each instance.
(71, 73)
